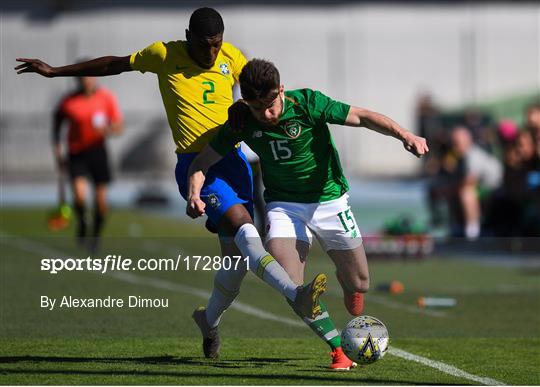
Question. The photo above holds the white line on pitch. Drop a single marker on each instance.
(443, 367)
(39, 249)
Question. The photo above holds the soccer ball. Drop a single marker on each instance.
(365, 339)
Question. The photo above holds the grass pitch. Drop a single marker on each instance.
(494, 332)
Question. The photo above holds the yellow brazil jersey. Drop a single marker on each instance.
(196, 99)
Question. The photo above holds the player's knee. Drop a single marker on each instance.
(235, 218)
(360, 283)
(365, 283)
(362, 287)
(239, 222)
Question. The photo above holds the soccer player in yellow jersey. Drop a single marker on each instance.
(195, 78)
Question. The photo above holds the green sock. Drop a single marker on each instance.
(324, 327)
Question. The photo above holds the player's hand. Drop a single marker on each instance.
(415, 144)
(238, 113)
(34, 66)
(195, 207)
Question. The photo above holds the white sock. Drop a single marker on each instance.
(262, 263)
(472, 230)
(226, 288)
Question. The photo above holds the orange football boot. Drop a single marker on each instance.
(340, 361)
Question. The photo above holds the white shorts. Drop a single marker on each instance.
(332, 223)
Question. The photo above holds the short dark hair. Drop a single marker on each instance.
(258, 79)
(206, 22)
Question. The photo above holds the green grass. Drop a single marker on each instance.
(494, 331)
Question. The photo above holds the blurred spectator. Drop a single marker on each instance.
(507, 131)
(494, 138)
(516, 209)
(468, 187)
(527, 150)
(465, 180)
(532, 122)
(479, 175)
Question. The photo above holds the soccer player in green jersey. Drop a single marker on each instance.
(306, 190)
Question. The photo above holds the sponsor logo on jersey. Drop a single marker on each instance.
(224, 68)
(257, 134)
(213, 200)
(292, 129)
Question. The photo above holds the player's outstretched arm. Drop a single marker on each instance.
(106, 65)
(375, 121)
(196, 176)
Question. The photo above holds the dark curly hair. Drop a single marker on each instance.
(206, 22)
(259, 80)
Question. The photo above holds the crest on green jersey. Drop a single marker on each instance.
(292, 129)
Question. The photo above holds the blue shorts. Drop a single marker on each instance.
(227, 183)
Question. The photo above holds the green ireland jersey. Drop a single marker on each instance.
(299, 160)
